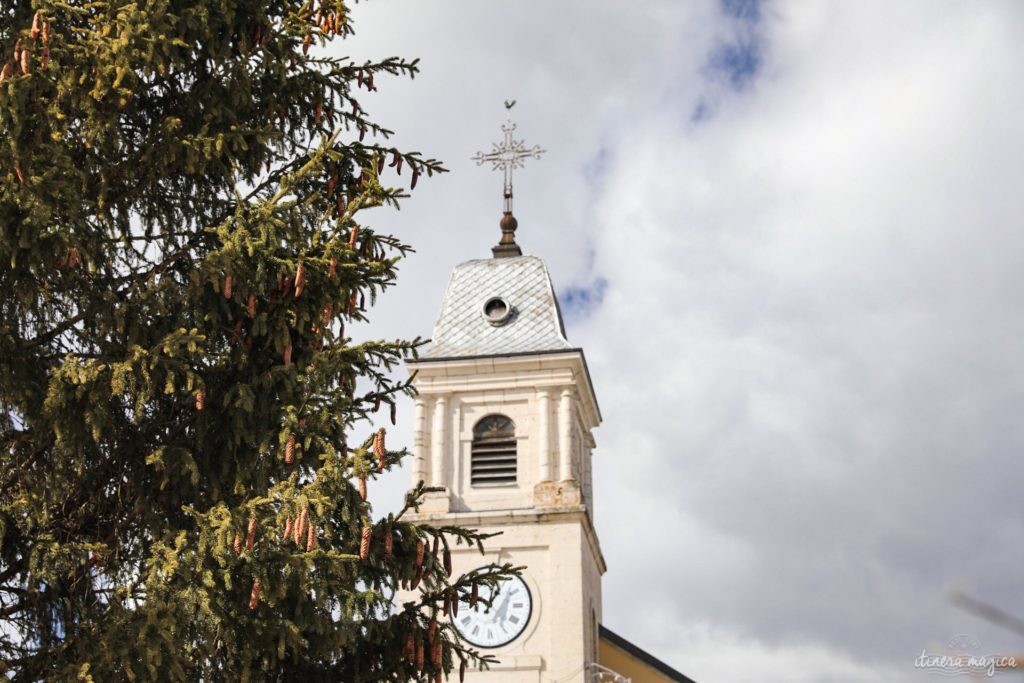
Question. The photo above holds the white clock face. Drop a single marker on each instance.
(503, 622)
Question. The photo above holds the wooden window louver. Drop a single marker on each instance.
(493, 458)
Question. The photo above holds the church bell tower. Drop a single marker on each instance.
(503, 424)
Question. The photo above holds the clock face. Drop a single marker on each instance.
(503, 622)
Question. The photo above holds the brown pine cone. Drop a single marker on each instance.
(419, 654)
(306, 42)
(435, 655)
(237, 545)
(252, 305)
(437, 544)
(332, 267)
(455, 602)
(227, 286)
(416, 579)
(287, 529)
(447, 561)
(420, 548)
(289, 450)
(388, 545)
(310, 539)
(410, 649)
(394, 413)
(300, 279)
(250, 536)
(36, 26)
(352, 237)
(326, 313)
(474, 595)
(302, 527)
(448, 605)
(379, 450)
(254, 598)
(432, 630)
(462, 671)
(288, 354)
(200, 399)
(364, 543)
(362, 486)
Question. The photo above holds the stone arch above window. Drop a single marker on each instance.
(493, 453)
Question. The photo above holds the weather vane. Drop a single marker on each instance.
(507, 155)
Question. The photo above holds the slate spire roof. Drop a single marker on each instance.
(497, 307)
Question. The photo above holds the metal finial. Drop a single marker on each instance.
(508, 155)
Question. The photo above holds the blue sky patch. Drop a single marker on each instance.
(579, 302)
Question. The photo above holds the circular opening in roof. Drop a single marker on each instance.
(497, 311)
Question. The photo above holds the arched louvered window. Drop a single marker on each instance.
(493, 459)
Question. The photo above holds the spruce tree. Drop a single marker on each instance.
(186, 246)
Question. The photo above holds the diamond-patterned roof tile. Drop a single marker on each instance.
(535, 323)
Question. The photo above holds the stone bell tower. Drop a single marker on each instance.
(503, 423)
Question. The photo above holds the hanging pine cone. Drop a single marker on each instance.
(410, 649)
(237, 545)
(394, 413)
(420, 548)
(332, 267)
(326, 314)
(455, 602)
(252, 305)
(389, 543)
(432, 630)
(310, 539)
(419, 654)
(379, 450)
(435, 656)
(287, 529)
(417, 577)
(200, 399)
(306, 42)
(289, 450)
(250, 536)
(447, 605)
(26, 62)
(36, 26)
(300, 279)
(474, 595)
(303, 527)
(352, 237)
(447, 561)
(364, 543)
(254, 598)
(462, 671)
(362, 486)
(352, 299)
(288, 354)
(437, 544)
(227, 286)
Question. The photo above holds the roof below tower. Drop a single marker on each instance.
(497, 307)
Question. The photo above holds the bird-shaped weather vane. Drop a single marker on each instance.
(507, 155)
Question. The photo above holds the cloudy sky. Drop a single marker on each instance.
(788, 237)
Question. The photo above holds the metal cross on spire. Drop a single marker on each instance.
(507, 155)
